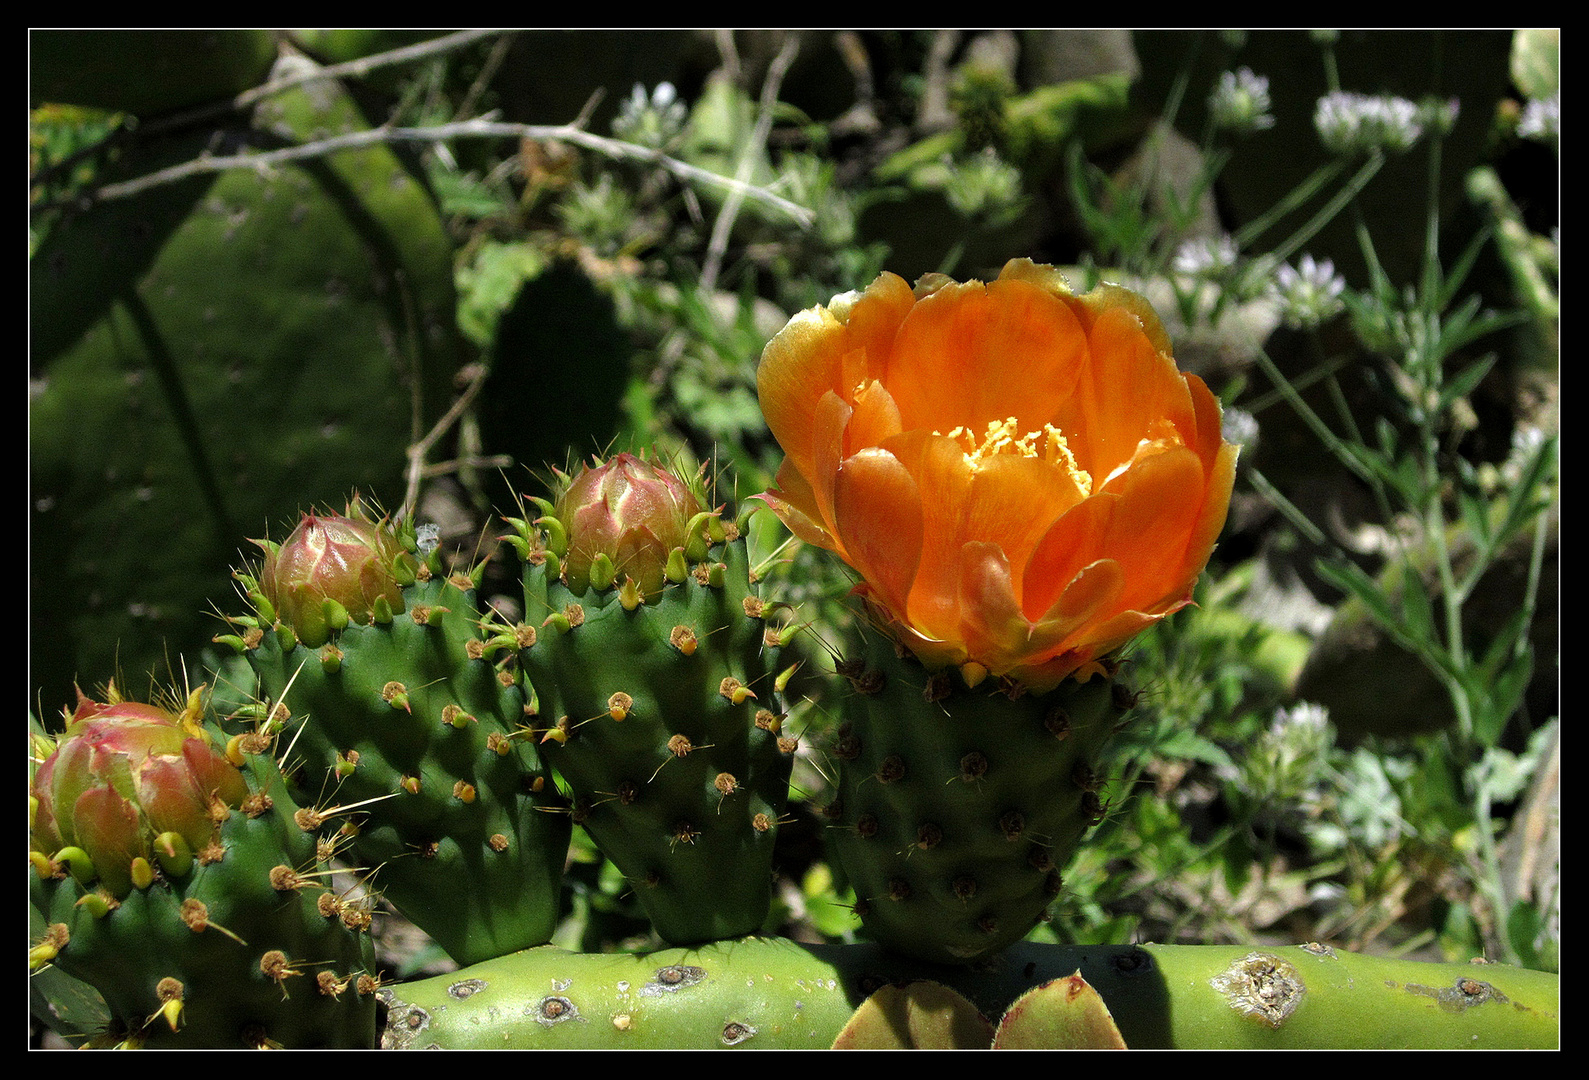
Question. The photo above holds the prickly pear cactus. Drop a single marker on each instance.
(407, 724)
(958, 807)
(772, 993)
(658, 676)
(175, 874)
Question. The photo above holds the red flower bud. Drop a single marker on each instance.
(631, 511)
(333, 570)
(124, 774)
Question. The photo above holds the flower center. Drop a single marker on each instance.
(1000, 438)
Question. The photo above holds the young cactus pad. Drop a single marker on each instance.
(958, 807)
(405, 718)
(658, 678)
(175, 876)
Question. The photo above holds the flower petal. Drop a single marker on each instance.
(875, 418)
(790, 500)
(1070, 544)
(1127, 385)
(879, 509)
(1151, 527)
(973, 353)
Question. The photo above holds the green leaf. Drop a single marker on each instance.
(1529, 936)
(1416, 608)
(1504, 696)
(1536, 61)
(1463, 384)
(1475, 510)
(1353, 580)
(1529, 492)
(1190, 746)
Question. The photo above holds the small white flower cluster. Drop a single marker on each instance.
(1351, 123)
(1526, 442)
(651, 120)
(1304, 715)
(1286, 762)
(1205, 256)
(1310, 294)
(1240, 102)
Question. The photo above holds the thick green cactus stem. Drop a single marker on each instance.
(231, 941)
(958, 807)
(776, 994)
(660, 710)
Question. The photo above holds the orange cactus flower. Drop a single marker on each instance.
(1020, 475)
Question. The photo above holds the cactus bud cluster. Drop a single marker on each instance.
(409, 729)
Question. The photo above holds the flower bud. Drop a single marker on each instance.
(332, 571)
(624, 519)
(130, 782)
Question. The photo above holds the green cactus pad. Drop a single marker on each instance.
(410, 722)
(664, 720)
(147, 72)
(761, 993)
(753, 993)
(957, 808)
(252, 946)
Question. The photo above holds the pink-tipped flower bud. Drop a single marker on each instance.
(132, 784)
(334, 570)
(624, 519)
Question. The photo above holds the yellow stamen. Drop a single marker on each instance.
(1048, 444)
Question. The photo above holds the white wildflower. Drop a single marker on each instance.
(1240, 102)
(1357, 123)
(1541, 119)
(1205, 256)
(650, 119)
(1310, 294)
